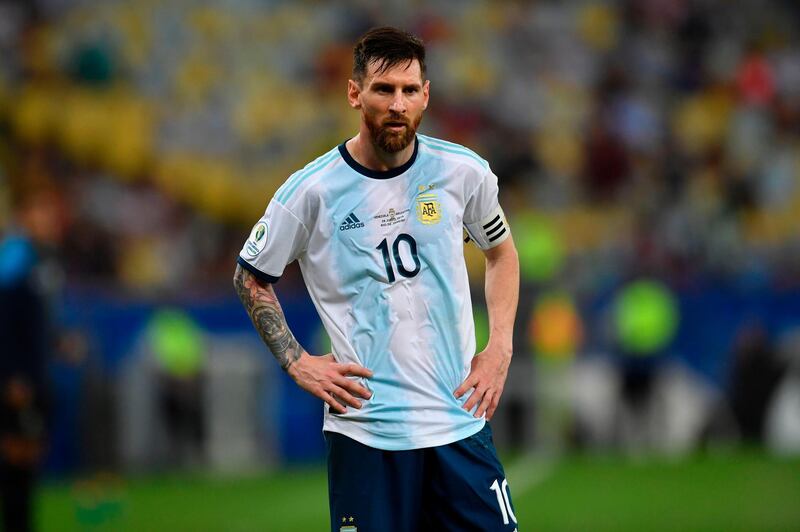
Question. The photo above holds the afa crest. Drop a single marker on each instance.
(429, 210)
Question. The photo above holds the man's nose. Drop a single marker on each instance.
(398, 104)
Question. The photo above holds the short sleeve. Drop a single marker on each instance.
(276, 240)
(483, 200)
(484, 220)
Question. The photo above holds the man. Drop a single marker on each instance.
(28, 338)
(376, 226)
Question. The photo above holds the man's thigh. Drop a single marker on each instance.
(466, 488)
(370, 490)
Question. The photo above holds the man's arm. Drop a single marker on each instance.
(321, 376)
(490, 367)
(265, 311)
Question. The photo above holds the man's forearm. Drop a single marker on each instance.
(502, 292)
(265, 311)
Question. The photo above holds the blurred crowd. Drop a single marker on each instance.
(638, 139)
(656, 136)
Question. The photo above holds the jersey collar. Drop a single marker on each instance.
(377, 174)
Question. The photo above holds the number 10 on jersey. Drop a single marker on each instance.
(398, 260)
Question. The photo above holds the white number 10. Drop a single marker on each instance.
(501, 492)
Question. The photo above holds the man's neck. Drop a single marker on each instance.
(371, 156)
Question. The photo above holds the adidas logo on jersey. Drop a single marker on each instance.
(351, 222)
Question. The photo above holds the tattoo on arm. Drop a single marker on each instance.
(265, 311)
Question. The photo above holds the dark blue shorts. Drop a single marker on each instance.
(455, 487)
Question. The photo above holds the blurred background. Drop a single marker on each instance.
(649, 161)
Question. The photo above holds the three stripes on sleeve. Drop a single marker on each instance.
(490, 231)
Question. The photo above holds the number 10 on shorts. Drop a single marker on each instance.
(503, 500)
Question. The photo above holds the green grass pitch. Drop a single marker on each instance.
(734, 492)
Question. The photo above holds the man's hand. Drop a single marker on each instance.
(487, 377)
(327, 379)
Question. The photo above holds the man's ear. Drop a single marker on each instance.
(353, 93)
(426, 93)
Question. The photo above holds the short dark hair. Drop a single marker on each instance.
(390, 46)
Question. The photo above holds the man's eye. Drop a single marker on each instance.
(411, 90)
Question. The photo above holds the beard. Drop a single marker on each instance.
(392, 141)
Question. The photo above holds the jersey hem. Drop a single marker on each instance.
(261, 276)
(365, 438)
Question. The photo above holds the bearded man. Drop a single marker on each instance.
(377, 226)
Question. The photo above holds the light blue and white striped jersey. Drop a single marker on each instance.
(382, 255)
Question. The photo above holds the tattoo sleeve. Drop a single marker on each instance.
(265, 311)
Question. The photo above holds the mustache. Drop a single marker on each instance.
(396, 121)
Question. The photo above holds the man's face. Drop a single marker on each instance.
(391, 103)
